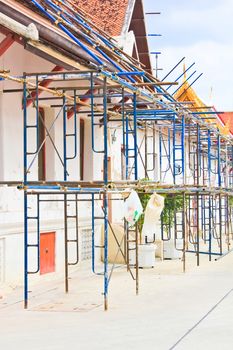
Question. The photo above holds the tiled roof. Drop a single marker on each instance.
(116, 15)
(227, 119)
(224, 121)
(109, 15)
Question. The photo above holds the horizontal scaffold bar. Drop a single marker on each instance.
(153, 111)
(124, 186)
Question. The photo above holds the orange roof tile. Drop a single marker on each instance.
(109, 15)
(227, 119)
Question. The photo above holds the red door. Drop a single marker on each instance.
(47, 252)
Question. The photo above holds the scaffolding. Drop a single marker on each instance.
(167, 148)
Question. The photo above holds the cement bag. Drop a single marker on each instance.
(152, 214)
(132, 208)
(114, 254)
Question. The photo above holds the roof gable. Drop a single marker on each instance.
(138, 26)
(223, 121)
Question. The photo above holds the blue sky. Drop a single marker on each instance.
(202, 31)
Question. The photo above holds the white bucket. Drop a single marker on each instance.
(170, 252)
(146, 256)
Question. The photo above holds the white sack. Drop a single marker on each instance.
(153, 211)
(132, 208)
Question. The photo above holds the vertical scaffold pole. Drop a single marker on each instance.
(210, 226)
(146, 150)
(174, 150)
(160, 155)
(183, 147)
(220, 197)
(178, 149)
(197, 195)
(209, 156)
(135, 135)
(66, 245)
(228, 222)
(65, 196)
(136, 178)
(219, 160)
(105, 196)
(64, 139)
(184, 232)
(127, 147)
(137, 264)
(220, 224)
(123, 129)
(25, 196)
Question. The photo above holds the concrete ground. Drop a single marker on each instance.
(173, 311)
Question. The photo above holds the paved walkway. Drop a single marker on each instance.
(173, 311)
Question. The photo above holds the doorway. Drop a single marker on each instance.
(47, 252)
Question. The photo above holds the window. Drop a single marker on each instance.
(86, 244)
(41, 155)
